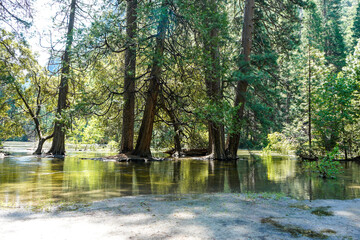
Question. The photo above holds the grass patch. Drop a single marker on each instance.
(265, 195)
(328, 231)
(9, 205)
(47, 206)
(170, 198)
(322, 211)
(295, 231)
(300, 206)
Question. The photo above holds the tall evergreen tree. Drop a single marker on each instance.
(242, 85)
(334, 45)
(58, 144)
(146, 130)
(356, 27)
(127, 137)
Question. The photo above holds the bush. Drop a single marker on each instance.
(278, 143)
(326, 166)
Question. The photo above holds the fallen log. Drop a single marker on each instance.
(193, 152)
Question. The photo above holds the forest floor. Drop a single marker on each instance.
(197, 216)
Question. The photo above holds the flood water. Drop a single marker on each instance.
(27, 179)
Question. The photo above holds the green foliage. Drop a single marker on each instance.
(327, 166)
(356, 26)
(334, 109)
(88, 131)
(278, 143)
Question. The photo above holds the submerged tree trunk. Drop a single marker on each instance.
(58, 144)
(127, 137)
(145, 133)
(41, 142)
(242, 85)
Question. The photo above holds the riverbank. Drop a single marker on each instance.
(199, 216)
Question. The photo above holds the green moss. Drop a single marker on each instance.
(295, 231)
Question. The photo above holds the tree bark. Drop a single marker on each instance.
(127, 137)
(242, 85)
(58, 144)
(145, 133)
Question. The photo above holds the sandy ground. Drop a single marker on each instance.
(205, 216)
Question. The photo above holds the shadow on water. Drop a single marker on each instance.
(29, 179)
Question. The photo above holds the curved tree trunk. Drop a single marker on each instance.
(145, 133)
(35, 117)
(58, 144)
(41, 142)
(127, 137)
(38, 150)
(241, 88)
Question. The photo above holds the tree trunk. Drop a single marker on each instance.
(213, 83)
(210, 144)
(127, 137)
(35, 118)
(38, 150)
(176, 125)
(58, 144)
(145, 133)
(41, 142)
(241, 88)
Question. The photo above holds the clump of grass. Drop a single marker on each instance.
(265, 195)
(328, 231)
(58, 206)
(322, 211)
(295, 231)
(8, 205)
(65, 207)
(170, 198)
(300, 206)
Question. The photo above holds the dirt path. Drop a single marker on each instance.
(208, 216)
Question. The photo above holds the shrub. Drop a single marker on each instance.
(278, 143)
(326, 166)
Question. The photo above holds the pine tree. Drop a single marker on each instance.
(356, 27)
(334, 46)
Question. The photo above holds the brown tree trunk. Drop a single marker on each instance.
(41, 142)
(241, 88)
(127, 137)
(145, 133)
(213, 85)
(58, 144)
(38, 150)
(176, 125)
(210, 144)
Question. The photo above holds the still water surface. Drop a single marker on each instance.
(26, 179)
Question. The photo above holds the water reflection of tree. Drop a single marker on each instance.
(224, 176)
(75, 179)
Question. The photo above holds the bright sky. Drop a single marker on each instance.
(41, 29)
